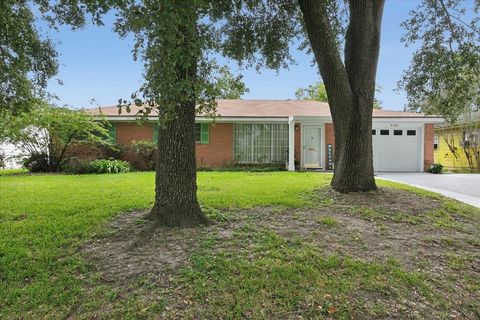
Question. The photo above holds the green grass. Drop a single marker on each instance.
(4, 172)
(280, 275)
(328, 221)
(44, 218)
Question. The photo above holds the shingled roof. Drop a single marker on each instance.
(266, 108)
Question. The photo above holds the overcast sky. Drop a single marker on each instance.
(96, 64)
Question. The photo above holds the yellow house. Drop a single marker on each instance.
(458, 146)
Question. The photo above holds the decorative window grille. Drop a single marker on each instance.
(260, 143)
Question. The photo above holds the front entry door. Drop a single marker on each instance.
(312, 146)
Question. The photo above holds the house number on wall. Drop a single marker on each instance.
(393, 125)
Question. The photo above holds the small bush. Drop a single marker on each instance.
(78, 166)
(435, 168)
(109, 166)
(3, 159)
(36, 162)
(145, 150)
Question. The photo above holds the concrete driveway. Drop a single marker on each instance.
(463, 187)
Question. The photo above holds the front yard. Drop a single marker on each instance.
(282, 245)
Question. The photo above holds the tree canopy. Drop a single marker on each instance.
(45, 133)
(444, 75)
(230, 86)
(28, 59)
(315, 92)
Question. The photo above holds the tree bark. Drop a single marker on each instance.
(350, 87)
(176, 203)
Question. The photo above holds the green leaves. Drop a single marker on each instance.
(49, 130)
(28, 59)
(444, 75)
(315, 92)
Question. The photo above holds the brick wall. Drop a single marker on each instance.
(219, 151)
(130, 131)
(329, 139)
(428, 146)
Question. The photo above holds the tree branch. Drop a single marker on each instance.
(362, 47)
(327, 55)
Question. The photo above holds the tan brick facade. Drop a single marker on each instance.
(219, 151)
(428, 146)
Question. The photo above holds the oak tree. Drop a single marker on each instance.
(28, 58)
(444, 75)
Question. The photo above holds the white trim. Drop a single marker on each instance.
(291, 144)
(409, 120)
(422, 150)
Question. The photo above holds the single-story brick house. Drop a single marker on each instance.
(291, 132)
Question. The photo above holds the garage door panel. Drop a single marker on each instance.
(396, 149)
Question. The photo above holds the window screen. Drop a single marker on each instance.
(384, 132)
(260, 142)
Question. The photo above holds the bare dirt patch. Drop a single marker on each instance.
(128, 254)
(386, 199)
(448, 257)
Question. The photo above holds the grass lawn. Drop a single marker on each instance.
(281, 245)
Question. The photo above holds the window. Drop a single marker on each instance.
(201, 133)
(260, 142)
(374, 132)
(112, 132)
(435, 142)
(411, 132)
(397, 132)
(155, 133)
(384, 132)
(198, 132)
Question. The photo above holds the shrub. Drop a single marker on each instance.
(45, 134)
(3, 159)
(435, 168)
(75, 165)
(36, 162)
(145, 150)
(109, 166)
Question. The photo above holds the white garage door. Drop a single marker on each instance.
(396, 149)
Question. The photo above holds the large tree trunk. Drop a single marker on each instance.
(353, 155)
(176, 201)
(350, 87)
